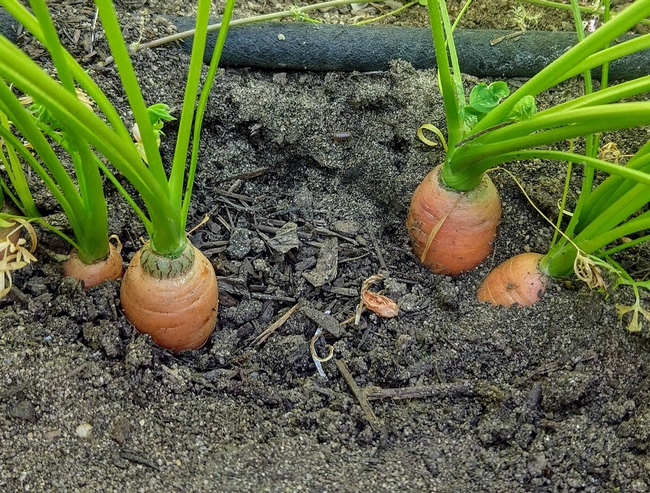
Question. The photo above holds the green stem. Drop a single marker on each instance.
(25, 122)
(559, 260)
(203, 101)
(611, 94)
(14, 169)
(132, 88)
(623, 246)
(93, 239)
(565, 193)
(614, 187)
(448, 84)
(471, 160)
(177, 175)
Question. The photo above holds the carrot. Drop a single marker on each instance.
(173, 300)
(452, 232)
(517, 280)
(96, 273)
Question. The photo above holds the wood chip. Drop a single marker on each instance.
(326, 265)
(351, 292)
(464, 388)
(285, 238)
(324, 320)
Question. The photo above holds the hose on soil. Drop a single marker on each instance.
(325, 47)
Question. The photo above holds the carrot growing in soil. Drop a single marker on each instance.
(602, 218)
(92, 259)
(452, 232)
(492, 127)
(168, 274)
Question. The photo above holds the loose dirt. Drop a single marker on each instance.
(545, 399)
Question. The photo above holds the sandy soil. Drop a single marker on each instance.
(545, 399)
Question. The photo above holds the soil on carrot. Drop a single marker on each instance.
(306, 179)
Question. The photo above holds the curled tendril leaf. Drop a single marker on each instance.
(588, 270)
(381, 305)
(16, 255)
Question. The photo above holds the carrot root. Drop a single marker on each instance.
(175, 301)
(452, 232)
(94, 274)
(517, 280)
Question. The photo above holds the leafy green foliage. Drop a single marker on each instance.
(484, 98)
(523, 110)
(158, 115)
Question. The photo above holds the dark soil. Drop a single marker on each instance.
(548, 398)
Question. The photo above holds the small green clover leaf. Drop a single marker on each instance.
(484, 98)
(158, 114)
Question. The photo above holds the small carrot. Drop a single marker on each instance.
(517, 280)
(452, 232)
(174, 300)
(96, 273)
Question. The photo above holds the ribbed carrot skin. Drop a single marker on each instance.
(178, 311)
(516, 281)
(94, 274)
(467, 224)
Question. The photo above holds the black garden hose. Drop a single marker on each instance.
(326, 47)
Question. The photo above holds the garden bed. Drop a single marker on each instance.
(548, 398)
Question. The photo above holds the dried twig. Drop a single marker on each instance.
(441, 390)
(275, 326)
(138, 459)
(361, 397)
(246, 176)
(375, 245)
